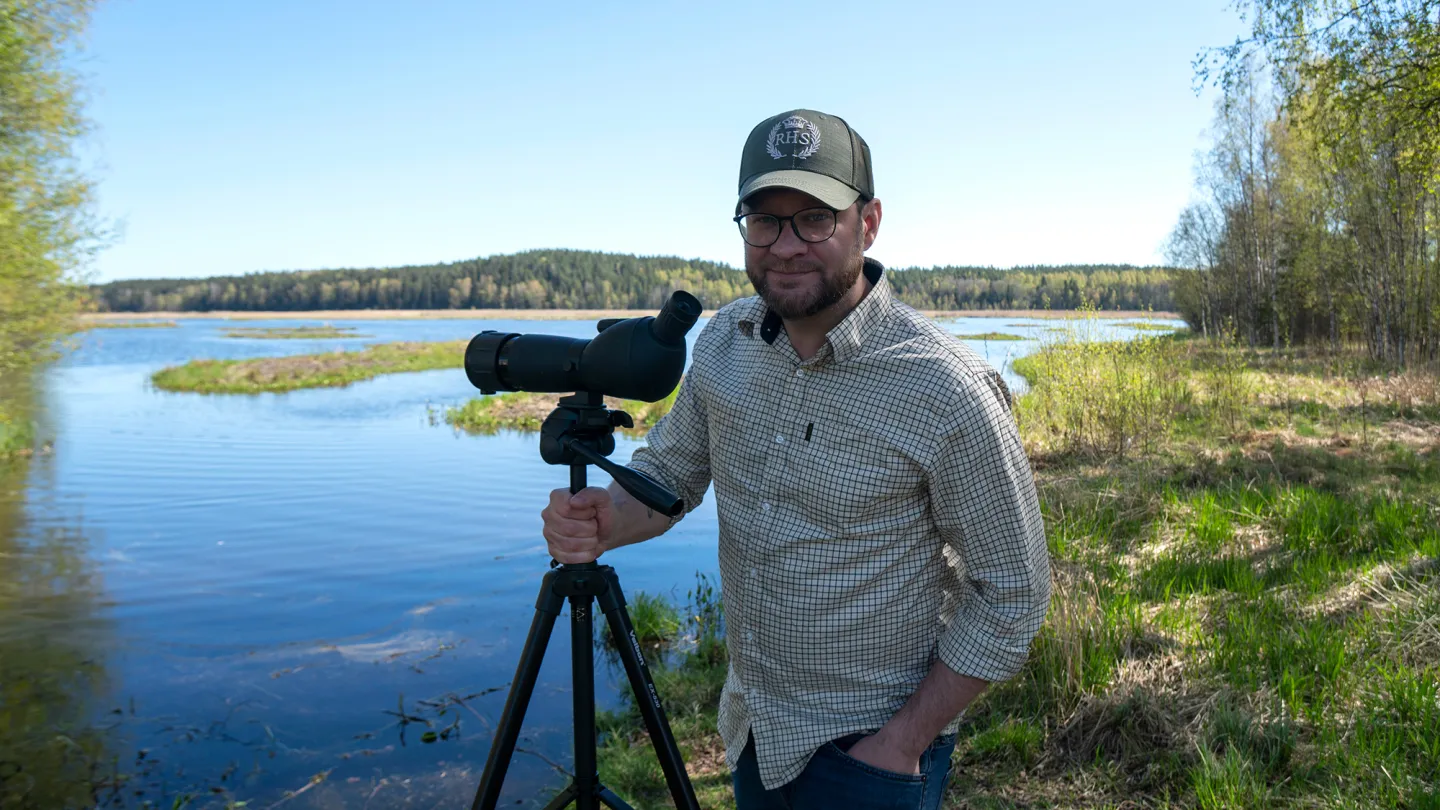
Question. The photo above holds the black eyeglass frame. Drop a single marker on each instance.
(780, 221)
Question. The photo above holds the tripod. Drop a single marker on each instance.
(579, 432)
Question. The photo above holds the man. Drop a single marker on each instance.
(882, 553)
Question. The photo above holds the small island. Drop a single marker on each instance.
(87, 325)
(324, 331)
(990, 336)
(525, 410)
(325, 370)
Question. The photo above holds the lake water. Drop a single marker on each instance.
(237, 593)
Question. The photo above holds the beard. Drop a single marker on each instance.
(803, 302)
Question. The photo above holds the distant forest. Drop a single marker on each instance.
(574, 279)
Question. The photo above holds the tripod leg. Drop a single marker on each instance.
(612, 601)
(582, 659)
(547, 607)
(563, 798)
(612, 801)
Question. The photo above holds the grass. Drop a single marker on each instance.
(16, 437)
(293, 332)
(1149, 327)
(17, 430)
(656, 621)
(276, 374)
(524, 410)
(1246, 610)
(689, 672)
(990, 336)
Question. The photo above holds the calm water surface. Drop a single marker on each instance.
(241, 592)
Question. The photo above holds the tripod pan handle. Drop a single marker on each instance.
(645, 489)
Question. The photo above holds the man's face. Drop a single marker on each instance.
(795, 278)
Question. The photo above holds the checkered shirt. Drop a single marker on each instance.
(877, 512)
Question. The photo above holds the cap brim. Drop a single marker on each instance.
(826, 189)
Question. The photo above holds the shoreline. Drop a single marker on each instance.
(557, 314)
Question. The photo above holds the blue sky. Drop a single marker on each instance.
(265, 135)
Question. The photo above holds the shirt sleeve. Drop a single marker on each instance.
(983, 496)
(677, 448)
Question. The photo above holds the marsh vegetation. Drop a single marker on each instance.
(524, 410)
(325, 331)
(96, 324)
(990, 336)
(329, 369)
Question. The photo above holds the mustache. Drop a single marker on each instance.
(804, 266)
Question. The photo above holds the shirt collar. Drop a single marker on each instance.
(848, 336)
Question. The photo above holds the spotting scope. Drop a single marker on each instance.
(631, 358)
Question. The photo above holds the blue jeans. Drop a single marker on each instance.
(832, 779)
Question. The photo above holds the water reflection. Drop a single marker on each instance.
(54, 640)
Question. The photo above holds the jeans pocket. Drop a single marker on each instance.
(835, 779)
(865, 767)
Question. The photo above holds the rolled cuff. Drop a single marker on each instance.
(658, 473)
(976, 647)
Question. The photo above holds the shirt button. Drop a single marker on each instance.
(779, 439)
(765, 506)
(754, 572)
(749, 636)
(799, 372)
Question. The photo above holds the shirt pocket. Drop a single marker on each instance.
(854, 481)
(737, 452)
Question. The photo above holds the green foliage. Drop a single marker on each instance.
(656, 620)
(1018, 741)
(1106, 398)
(45, 225)
(1319, 214)
(525, 410)
(1228, 389)
(689, 684)
(16, 436)
(1229, 782)
(577, 279)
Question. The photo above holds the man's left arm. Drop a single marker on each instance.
(982, 495)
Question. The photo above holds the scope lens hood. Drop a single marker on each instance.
(482, 360)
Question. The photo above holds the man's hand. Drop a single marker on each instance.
(877, 750)
(577, 527)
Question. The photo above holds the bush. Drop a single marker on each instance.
(1101, 398)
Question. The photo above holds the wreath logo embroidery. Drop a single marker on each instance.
(793, 130)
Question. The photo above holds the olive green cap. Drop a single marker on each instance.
(808, 151)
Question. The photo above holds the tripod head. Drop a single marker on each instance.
(634, 358)
(581, 431)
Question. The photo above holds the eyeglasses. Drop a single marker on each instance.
(811, 225)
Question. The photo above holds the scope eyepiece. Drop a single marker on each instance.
(676, 318)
